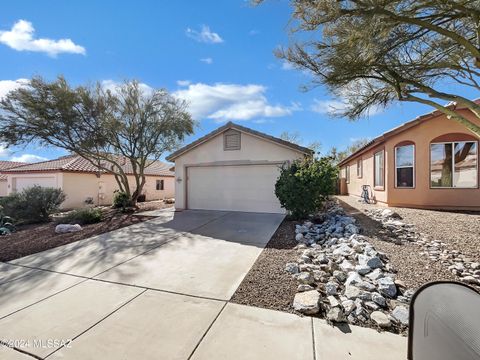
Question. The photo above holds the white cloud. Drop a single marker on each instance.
(8, 85)
(29, 158)
(4, 151)
(207, 60)
(223, 102)
(287, 66)
(205, 35)
(183, 82)
(21, 37)
(333, 107)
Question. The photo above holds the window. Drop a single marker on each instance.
(160, 184)
(379, 180)
(347, 173)
(454, 164)
(405, 166)
(231, 140)
(359, 168)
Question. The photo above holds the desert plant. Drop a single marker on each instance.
(121, 200)
(34, 204)
(303, 185)
(83, 216)
(6, 224)
(142, 198)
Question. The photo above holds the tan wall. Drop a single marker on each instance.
(80, 186)
(422, 195)
(354, 184)
(252, 149)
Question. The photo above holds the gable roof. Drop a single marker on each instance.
(231, 125)
(399, 129)
(76, 163)
(4, 165)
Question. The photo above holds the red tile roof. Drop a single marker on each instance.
(4, 165)
(77, 163)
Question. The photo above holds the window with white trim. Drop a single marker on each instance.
(454, 164)
(405, 166)
(359, 168)
(379, 169)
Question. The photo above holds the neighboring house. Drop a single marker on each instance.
(4, 165)
(232, 168)
(82, 181)
(429, 162)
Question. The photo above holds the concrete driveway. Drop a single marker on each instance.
(161, 290)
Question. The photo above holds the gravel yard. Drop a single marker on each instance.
(418, 246)
(267, 284)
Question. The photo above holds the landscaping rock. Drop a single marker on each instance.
(400, 313)
(67, 228)
(387, 287)
(305, 278)
(307, 302)
(335, 314)
(292, 268)
(380, 319)
(331, 288)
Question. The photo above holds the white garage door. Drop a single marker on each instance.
(234, 188)
(23, 183)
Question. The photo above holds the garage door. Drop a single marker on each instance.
(234, 188)
(23, 183)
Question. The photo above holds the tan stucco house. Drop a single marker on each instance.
(429, 162)
(82, 181)
(5, 165)
(232, 168)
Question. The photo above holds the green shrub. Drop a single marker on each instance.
(121, 200)
(83, 216)
(34, 204)
(304, 185)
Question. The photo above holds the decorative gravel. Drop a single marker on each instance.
(267, 284)
(458, 230)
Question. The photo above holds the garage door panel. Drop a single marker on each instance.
(234, 188)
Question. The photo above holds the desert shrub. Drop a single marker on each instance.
(121, 200)
(303, 185)
(34, 204)
(6, 223)
(83, 216)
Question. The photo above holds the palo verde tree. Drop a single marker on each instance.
(129, 125)
(373, 52)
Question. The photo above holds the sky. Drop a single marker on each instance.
(217, 55)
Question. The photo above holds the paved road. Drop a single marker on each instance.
(161, 290)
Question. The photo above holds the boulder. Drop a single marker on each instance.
(336, 314)
(292, 268)
(307, 302)
(380, 319)
(348, 306)
(305, 278)
(363, 269)
(67, 228)
(331, 288)
(387, 287)
(347, 266)
(379, 299)
(400, 313)
(304, 287)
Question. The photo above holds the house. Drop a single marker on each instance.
(83, 182)
(429, 162)
(4, 165)
(232, 168)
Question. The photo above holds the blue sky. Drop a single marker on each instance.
(216, 54)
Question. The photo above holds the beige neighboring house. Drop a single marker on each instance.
(5, 165)
(82, 181)
(233, 168)
(430, 162)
